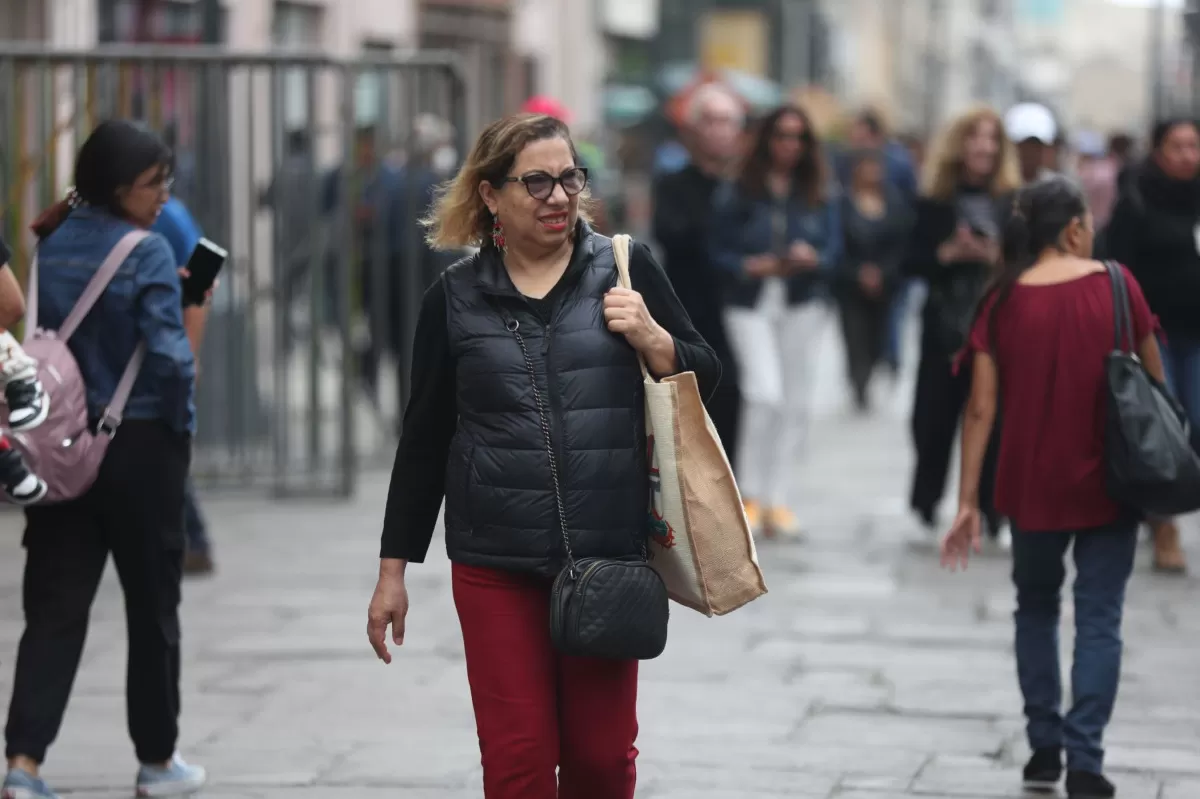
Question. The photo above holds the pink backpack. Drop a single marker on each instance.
(64, 451)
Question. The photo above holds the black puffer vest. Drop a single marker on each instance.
(500, 503)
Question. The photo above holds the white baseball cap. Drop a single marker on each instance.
(1026, 121)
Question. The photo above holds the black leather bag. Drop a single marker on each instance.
(1151, 465)
(600, 608)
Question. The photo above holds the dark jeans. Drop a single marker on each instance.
(194, 528)
(135, 512)
(864, 329)
(1181, 356)
(937, 410)
(894, 335)
(1103, 563)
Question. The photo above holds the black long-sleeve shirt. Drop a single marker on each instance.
(418, 476)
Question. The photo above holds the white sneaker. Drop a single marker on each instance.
(1000, 543)
(177, 779)
(1004, 538)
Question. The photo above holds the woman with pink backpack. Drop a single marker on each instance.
(138, 374)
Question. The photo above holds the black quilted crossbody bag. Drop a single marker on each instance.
(599, 608)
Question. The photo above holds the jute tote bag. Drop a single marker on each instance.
(700, 540)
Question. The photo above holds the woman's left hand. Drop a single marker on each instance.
(625, 313)
(184, 274)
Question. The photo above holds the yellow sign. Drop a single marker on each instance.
(734, 40)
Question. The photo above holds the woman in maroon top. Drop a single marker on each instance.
(1038, 349)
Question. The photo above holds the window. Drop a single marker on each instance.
(631, 60)
(155, 20)
(370, 89)
(296, 28)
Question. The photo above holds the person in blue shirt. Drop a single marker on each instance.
(182, 232)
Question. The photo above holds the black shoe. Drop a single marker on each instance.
(20, 485)
(28, 405)
(1086, 785)
(196, 563)
(1044, 770)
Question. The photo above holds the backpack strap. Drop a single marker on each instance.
(111, 417)
(110, 420)
(99, 282)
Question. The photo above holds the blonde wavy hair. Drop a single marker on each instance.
(944, 165)
(458, 217)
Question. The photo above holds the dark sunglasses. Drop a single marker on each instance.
(803, 137)
(540, 185)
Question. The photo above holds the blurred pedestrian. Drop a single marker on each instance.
(135, 508)
(682, 219)
(1097, 171)
(955, 245)
(1155, 231)
(876, 219)
(379, 228)
(1031, 127)
(869, 133)
(1039, 349)
(525, 349)
(776, 234)
(296, 205)
(181, 231)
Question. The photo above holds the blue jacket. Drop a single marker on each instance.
(143, 302)
(741, 227)
(898, 167)
(180, 230)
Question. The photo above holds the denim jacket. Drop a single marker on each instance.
(742, 226)
(143, 302)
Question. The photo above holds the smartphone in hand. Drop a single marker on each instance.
(203, 267)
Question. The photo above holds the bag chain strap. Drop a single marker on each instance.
(514, 328)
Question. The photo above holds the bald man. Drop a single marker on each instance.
(713, 124)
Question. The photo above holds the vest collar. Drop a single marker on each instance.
(491, 277)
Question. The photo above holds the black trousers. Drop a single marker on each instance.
(864, 330)
(725, 409)
(937, 410)
(134, 511)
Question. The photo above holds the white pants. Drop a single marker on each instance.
(776, 346)
(14, 363)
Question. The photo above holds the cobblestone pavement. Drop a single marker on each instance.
(866, 673)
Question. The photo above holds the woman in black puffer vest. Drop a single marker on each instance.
(476, 432)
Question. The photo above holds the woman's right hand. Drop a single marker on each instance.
(958, 247)
(963, 537)
(389, 606)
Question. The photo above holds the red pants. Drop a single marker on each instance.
(537, 710)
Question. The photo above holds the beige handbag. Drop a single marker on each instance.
(700, 542)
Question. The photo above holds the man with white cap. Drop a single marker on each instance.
(1032, 128)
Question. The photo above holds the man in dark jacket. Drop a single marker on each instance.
(682, 210)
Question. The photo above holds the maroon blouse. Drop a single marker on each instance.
(1051, 342)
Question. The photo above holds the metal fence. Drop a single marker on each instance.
(312, 172)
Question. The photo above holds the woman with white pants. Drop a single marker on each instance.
(775, 232)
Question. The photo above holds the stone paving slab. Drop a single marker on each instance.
(866, 673)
